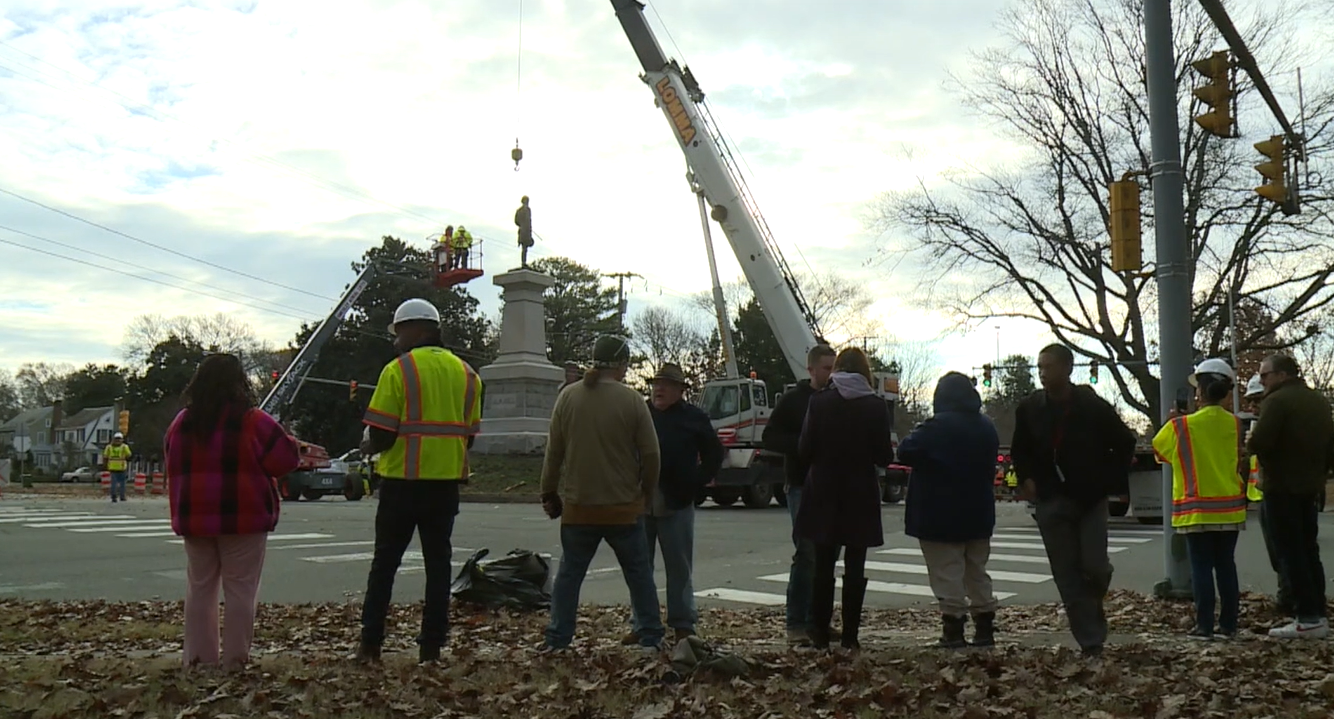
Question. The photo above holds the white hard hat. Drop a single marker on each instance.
(1255, 387)
(1212, 365)
(415, 309)
(118, 435)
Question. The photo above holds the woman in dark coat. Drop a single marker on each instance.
(845, 437)
(951, 506)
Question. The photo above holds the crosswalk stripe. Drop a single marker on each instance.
(100, 523)
(1018, 558)
(996, 574)
(1039, 545)
(17, 510)
(912, 590)
(276, 536)
(148, 534)
(132, 528)
(322, 545)
(1117, 538)
(744, 597)
(1148, 531)
(16, 519)
(358, 557)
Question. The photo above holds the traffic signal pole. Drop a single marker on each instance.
(1173, 267)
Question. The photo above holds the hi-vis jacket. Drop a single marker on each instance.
(1204, 451)
(115, 456)
(430, 398)
(1253, 492)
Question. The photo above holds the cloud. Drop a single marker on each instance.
(283, 139)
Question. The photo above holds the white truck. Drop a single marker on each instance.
(739, 406)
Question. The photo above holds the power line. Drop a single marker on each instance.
(148, 279)
(118, 260)
(154, 245)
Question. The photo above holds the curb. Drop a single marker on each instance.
(494, 498)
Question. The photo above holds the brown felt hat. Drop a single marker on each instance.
(671, 372)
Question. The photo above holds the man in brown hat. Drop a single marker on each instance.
(691, 455)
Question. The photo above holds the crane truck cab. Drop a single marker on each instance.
(739, 409)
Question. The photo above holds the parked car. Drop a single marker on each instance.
(82, 474)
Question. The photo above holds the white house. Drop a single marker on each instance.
(83, 434)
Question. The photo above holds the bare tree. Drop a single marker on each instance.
(841, 305)
(40, 384)
(919, 369)
(220, 332)
(1315, 354)
(663, 335)
(1032, 241)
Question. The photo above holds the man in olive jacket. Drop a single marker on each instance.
(1294, 439)
(781, 435)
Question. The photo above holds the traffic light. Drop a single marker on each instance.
(352, 390)
(1275, 187)
(1125, 227)
(124, 421)
(274, 376)
(1093, 372)
(1218, 94)
(986, 375)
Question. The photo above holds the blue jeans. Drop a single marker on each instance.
(676, 535)
(1214, 553)
(801, 576)
(578, 543)
(118, 480)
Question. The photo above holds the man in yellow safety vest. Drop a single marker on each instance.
(1208, 494)
(460, 246)
(422, 419)
(116, 457)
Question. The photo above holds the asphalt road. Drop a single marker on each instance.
(59, 548)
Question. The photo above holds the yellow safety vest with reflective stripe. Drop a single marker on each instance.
(1203, 449)
(462, 240)
(115, 456)
(430, 398)
(1253, 492)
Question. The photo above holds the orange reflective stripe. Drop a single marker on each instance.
(412, 460)
(434, 429)
(383, 420)
(1209, 505)
(1187, 455)
(412, 388)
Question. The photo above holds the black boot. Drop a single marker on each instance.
(952, 635)
(854, 593)
(822, 612)
(426, 654)
(984, 629)
(368, 653)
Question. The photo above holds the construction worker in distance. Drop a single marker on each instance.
(422, 419)
(1208, 494)
(1012, 482)
(460, 245)
(116, 457)
(440, 251)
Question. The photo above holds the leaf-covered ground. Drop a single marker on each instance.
(96, 659)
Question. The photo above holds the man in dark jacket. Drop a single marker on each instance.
(1294, 439)
(691, 455)
(1069, 449)
(951, 506)
(781, 435)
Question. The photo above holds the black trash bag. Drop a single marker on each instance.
(517, 580)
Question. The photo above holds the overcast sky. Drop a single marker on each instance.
(281, 139)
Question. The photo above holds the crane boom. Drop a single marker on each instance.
(284, 390)
(732, 206)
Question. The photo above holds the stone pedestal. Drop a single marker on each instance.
(521, 385)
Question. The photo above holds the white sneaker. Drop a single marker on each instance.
(1301, 630)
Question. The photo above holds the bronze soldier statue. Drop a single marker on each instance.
(523, 218)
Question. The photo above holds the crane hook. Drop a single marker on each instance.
(516, 154)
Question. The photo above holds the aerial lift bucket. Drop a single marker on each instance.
(442, 278)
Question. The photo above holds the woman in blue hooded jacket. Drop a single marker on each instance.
(951, 506)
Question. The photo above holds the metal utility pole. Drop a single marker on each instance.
(1232, 332)
(1173, 268)
(719, 302)
(620, 296)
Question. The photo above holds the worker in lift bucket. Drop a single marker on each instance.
(460, 245)
(441, 249)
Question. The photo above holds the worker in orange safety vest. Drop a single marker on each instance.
(1208, 494)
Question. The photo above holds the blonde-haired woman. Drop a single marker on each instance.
(845, 437)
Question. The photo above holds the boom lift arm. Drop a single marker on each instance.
(719, 180)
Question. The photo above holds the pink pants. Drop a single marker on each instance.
(235, 561)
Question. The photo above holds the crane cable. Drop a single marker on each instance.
(517, 153)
